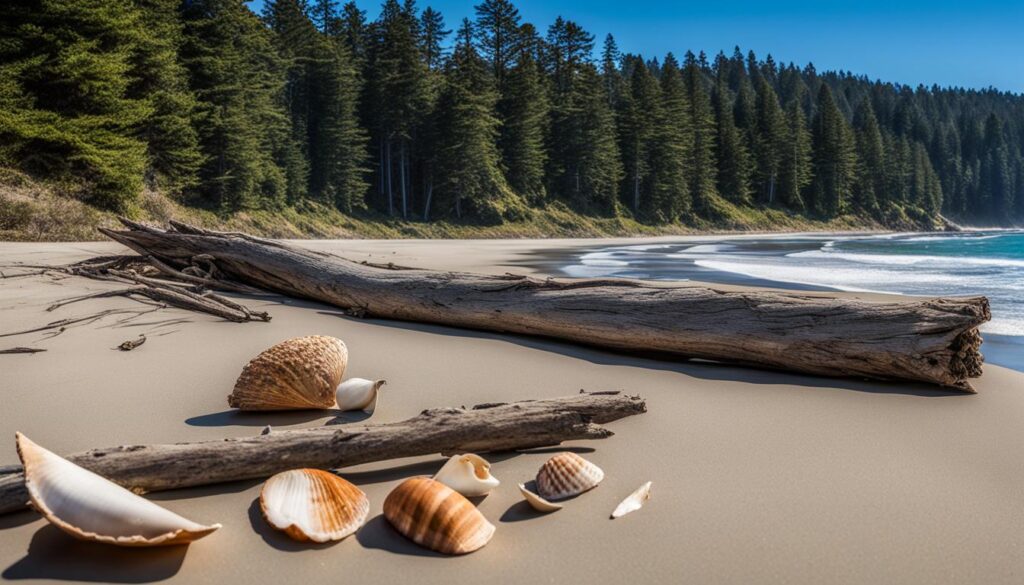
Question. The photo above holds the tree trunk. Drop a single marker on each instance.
(485, 427)
(430, 194)
(391, 196)
(401, 164)
(930, 340)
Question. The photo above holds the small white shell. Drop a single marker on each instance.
(633, 502)
(468, 474)
(565, 475)
(538, 503)
(312, 504)
(359, 394)
(90, 507)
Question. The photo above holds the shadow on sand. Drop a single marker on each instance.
(700, 369)
(55, 555)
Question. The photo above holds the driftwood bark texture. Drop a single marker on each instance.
(483, 428)
(935, 340)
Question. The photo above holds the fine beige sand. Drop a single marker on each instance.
(759, 477)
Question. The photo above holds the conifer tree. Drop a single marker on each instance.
(702, 167)
(243, 124)
(469, 159)
(68, 111)
(734, 165)
(584, 163)
(398, 93)
(524, 108)
(870, 186)
(172, 144)
(770, 136)
(673, 139)
(835, 158)
(638, 106)
(432, 37)
(497, 28)
(796, 163)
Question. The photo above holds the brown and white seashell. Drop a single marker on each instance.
(359, 394)
(90, 507)
(538, 503)
(566, 475)
(299, 373)
(437, 517)
(312, 504)
(468, 474)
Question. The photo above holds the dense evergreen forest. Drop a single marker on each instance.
(480, 121)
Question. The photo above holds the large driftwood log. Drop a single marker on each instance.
(485, 427)
(934, 340)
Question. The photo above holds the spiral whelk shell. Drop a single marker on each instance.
(468, 474)
(359, 394)
(437, 517)
(312, 504)
(566, 475)
(90, 507)
(299, 373)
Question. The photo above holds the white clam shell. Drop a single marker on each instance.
(633, 501)
(359, 394)
(468, 474)
(89, 507)
(538, 503)
(312, 504)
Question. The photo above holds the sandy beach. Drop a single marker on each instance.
(759, 477)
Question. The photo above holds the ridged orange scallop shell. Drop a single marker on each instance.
(312, 504)
(299, 373)
(437, 517)
(566, 475)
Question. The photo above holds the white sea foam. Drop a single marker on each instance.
(606, 259)
(906, 259)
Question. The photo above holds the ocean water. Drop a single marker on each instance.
(989, 263)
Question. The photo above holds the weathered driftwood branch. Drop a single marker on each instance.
(487, 427)
(933, 340)
(185, 291)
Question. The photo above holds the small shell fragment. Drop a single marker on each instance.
(299, 373)
(90, 507)
(437, 517)
(468, 474)
(359, 394)
(565, 475)
(538, 503)
(312, 504)
(634, 501)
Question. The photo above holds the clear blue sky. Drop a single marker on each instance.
(969, 43)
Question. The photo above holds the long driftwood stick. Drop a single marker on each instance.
(934, 340)
(486, 427)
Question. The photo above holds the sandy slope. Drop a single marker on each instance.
(759, 477)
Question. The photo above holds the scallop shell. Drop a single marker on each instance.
(437, 517)
(538, 503)
(566, 475)
(468, 474)
(359, 394)
(90, 507)
(299, 373)
(633, 501)
(312, 504)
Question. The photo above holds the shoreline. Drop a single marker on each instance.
(758, 476)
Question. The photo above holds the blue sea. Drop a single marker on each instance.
(989, 263)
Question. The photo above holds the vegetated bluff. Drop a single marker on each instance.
(228, 110)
